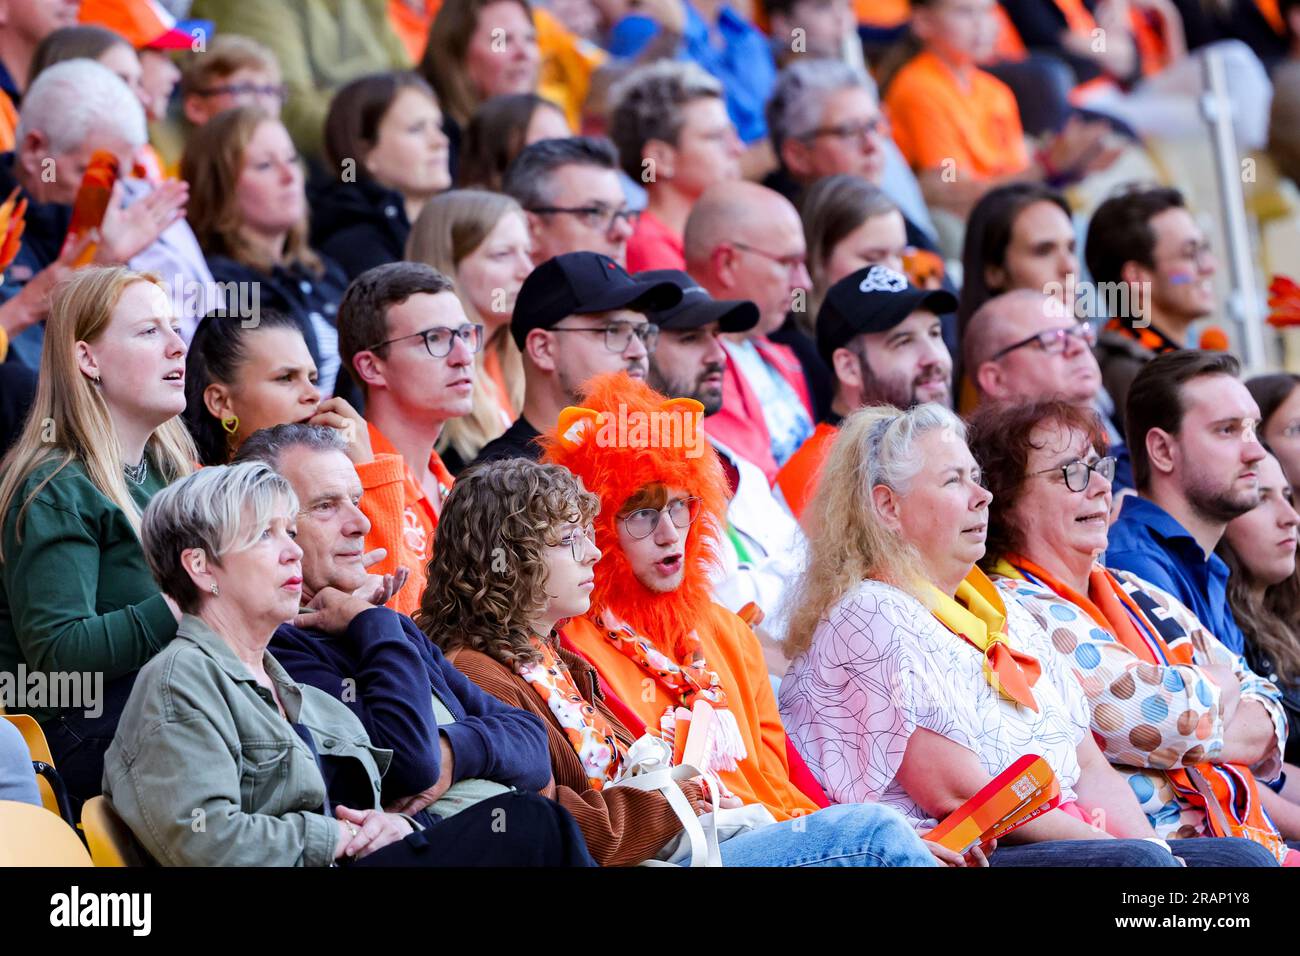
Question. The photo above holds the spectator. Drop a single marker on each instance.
(221, 545)
(722, 41)
(26, 24)
(892, 594)
(71, 111)
(744, 240)
(103, 437)
(498, 132)
(480, 240)
(571, 192)
(17, 780)
(673, 135)
(505, 638)
(1259, 550)
(1192, 436)
(808, 29)
(453, 746)
(1024, 346)
(249, 211)
(1279, 410)
(318, 45)
(386, 150)
(760, 551)
(656, 637)
(405, 339)
(154, 35)
(88, 42)
(959, 126)
(884, 339)
(1145, 248)
(1202, 722)
(233, 71)
(576, 316)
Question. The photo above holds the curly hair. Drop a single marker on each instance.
(487, 579)
(999, 438)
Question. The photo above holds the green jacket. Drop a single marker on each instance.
(321, 45)
(206, 772)
(76, 594)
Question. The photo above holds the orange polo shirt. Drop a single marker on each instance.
(402, 518)
(939, 122)
(731, 649)
(798, 477)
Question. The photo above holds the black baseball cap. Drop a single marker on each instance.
(697, 307)
(579, 283)
(874, 299)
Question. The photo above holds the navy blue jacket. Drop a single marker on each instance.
(386, 670)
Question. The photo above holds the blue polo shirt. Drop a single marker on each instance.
(1150, 543)
(733, 50)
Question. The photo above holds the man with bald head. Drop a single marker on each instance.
(744, 241)
(1024, 346)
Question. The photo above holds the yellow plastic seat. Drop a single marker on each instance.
(39, 750)
(110, 840)
(32, 836)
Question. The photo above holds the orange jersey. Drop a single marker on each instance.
(940, 123)
(798, 477)
(730, 649)
(402, 518)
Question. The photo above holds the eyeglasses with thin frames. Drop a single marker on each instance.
(1053, 341)
(642, 523)
(618, 335)
(576, 541)
(791, 263)
(1078, 473)
(438, 340)
(280, 92)
(876, 126)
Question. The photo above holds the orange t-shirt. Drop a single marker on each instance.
(798, 477)
(402, 518)
(8, 123)
(731, 649)
(940, 123)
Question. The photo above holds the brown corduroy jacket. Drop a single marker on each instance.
(622, 826)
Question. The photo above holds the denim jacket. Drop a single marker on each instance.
(206, 772)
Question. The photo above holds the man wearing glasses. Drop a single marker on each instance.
(576, 316)
(1146, 243)
(1024, 346)
(573, 198)
(883, 338)
(405, 339)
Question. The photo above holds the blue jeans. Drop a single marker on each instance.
(17, 779)
(1197, 851)
(847, 834)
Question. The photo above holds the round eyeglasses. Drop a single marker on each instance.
(576, 541)
(1078, 472)
(643, 522)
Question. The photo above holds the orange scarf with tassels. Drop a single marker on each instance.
(1227, 793)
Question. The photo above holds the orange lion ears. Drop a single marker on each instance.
(578, 425)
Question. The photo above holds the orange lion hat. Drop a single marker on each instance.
(627, 436)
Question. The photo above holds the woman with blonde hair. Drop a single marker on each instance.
(248, 209)
(480, 239)
(104, 435)
(914, 684)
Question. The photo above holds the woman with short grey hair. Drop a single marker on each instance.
(220, 758)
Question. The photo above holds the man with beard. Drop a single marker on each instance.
(576, 315)
(1191, 433)
(883, 339)
(759, 552)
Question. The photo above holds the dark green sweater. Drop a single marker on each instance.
(76, 594)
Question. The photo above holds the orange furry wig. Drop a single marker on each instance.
(624, 438)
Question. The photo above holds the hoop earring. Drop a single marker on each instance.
(231, 424)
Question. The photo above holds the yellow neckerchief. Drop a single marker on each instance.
(978, 616)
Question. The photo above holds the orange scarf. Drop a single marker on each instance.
(1227, 793)
(979, 617)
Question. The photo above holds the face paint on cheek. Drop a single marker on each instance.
(1182, 278)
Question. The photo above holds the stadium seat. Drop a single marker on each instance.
(54, 794)
(31, 836)
(110, 840)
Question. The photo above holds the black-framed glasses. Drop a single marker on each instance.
(791, 263)
(1053, 341)
(619, 335)
(597, 216)
(279, 91)
(875, 126)
(1078, 473)
(438, 340)
(642, 523)
(576, 541)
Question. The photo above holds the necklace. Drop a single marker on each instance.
(136, 474)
